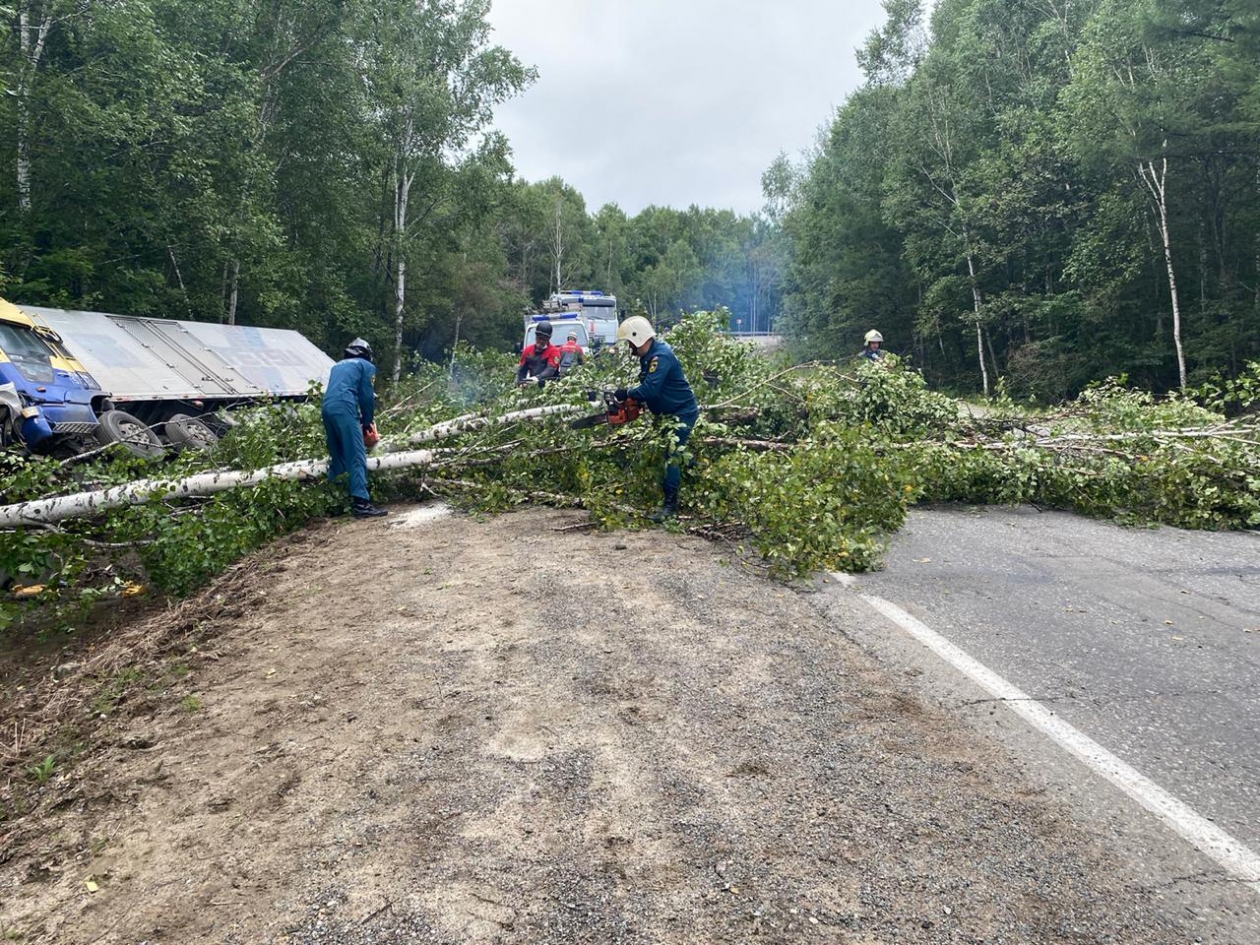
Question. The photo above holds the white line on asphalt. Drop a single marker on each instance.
(1236, 857)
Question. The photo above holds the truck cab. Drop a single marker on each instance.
(46, 396)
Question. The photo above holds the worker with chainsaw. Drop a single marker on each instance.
(540, 362)
(663, 390)
(571, 355)
(872, 351)
(348, 408)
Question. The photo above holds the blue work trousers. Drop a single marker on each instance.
(673, 465)
(345, 448)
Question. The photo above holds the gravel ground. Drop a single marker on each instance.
(495, 731)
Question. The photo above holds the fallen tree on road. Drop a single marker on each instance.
(811, 467)
(86, 504)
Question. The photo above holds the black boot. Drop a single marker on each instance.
(669, 508)
(363, 508)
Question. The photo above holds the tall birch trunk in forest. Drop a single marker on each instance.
(33, 30)
(942, 142)
(557, 244)
(1155, 177)
(978, 302)
(403, 179)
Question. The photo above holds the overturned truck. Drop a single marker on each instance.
(73, 381)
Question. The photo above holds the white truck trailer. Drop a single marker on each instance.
(70, 381)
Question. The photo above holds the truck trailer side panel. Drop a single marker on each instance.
(153, 359)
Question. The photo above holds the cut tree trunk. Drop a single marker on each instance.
(472, 421)
(87, 504)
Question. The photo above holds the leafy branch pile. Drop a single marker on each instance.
(811, 467)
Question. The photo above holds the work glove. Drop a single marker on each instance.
(620, 395)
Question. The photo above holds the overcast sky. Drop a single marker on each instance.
(675, 102)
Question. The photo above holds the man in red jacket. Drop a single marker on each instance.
(541, 362)
(570, 354)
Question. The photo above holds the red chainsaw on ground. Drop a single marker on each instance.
(615, 412)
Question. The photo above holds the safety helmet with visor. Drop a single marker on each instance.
(359, 349)
(636, 330)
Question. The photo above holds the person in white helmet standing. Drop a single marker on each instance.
(663, 390)
(872, 351)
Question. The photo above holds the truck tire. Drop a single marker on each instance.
(118, 426)
(189, 433)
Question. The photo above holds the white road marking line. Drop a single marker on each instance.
(1234, 856)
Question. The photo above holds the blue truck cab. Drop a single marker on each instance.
(46, 396)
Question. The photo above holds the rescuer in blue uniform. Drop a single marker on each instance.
(663, 390)
(348, 408)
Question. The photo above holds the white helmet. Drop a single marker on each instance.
(873, 335)
(636, 329)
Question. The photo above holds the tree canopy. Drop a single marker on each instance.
(1041, 191)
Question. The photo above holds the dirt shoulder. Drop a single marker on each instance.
(493, 731)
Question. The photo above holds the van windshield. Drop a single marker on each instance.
(27, 351)
(560, 334)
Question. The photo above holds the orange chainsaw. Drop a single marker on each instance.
(615, 412)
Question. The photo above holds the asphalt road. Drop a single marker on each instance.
(1147, 641)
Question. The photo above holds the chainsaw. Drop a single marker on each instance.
(615, 412)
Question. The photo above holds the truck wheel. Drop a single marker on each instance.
(190, 433)
(118, 426)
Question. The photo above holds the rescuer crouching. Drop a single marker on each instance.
(347, 411)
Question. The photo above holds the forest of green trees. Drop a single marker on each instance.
(1037, 193)
(1043, 191)
(329, 165)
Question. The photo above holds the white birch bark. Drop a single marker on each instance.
(472, 421)
(87, 504)
(557, 243)
(1156, 181)
(978, 302)
(32, 35)
(403, 179)
(233, 295)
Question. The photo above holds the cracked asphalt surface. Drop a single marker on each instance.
(1148, 641)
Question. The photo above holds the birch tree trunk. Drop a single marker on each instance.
(1156, 181)
(233, 293)
(87, 504)
(32, 35)
(403, 179)
(557, 244)
(978, 302)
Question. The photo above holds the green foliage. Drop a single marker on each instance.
(989, 175)
(42, 772)
(819, 507)
(811, 468)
